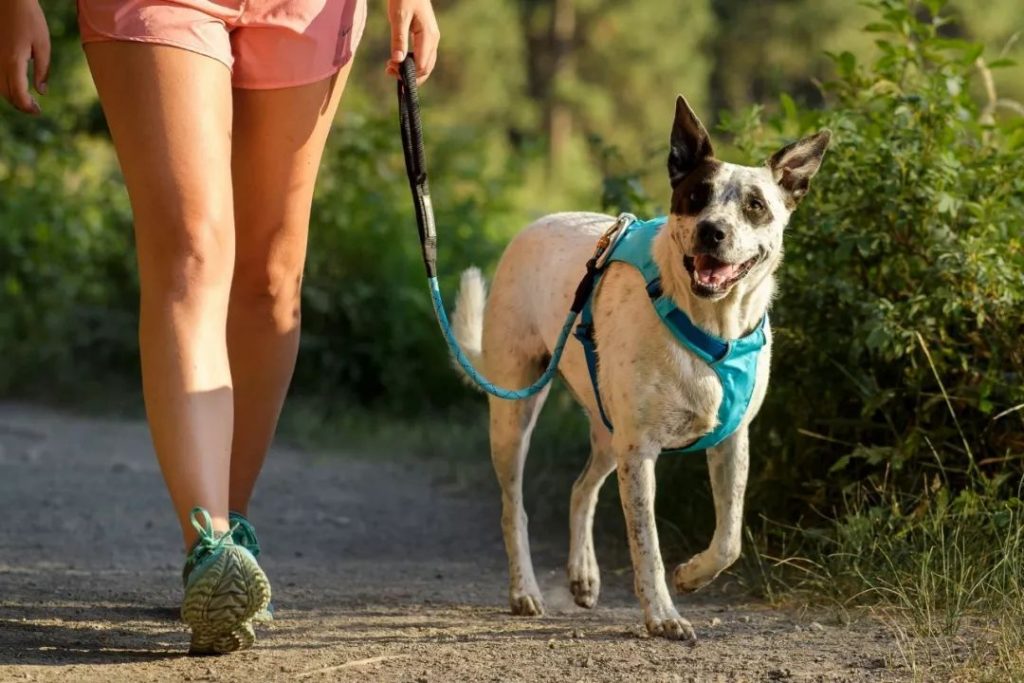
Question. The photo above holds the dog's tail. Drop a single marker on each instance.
(468, 317)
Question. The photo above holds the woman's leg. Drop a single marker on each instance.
(278, 140)
(169, 112)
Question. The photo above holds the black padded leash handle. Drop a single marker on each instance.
(415, 161)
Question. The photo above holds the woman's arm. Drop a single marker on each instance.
(417, 17)
(23, 36)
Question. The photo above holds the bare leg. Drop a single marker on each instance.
(512, 424)
(279, 137)
(727, 464)
(584, 574)
(169, 111)
(636, 488)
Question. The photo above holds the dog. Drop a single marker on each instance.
(717, 255)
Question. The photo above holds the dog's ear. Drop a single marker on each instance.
(794, 165)
(690, 143)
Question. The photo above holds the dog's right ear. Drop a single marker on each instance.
(690, 143)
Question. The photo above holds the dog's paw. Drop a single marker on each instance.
(526, 605)
(691, 576)
(585, 584)
(673, 628)
(585, 591)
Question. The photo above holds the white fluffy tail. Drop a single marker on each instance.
(468, 317)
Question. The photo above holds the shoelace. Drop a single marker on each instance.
(244, 533)
(208, 540)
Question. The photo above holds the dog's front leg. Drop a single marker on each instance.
(727, 465)
(636, 489)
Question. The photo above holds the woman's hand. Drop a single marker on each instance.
(417, 17)
(23, 36)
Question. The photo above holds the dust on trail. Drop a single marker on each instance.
(381, 571)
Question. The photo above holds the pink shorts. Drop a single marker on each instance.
(265, 43)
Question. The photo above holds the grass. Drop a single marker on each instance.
(942, 567)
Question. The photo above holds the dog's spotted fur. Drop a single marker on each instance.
(656, 392)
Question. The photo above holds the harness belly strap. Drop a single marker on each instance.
(734, 361)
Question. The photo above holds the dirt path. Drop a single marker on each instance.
(380, 572)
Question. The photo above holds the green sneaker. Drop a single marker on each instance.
(244, 534)
(224, 589)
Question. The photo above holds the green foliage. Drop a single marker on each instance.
(894, 421)
(369, 332)
(901, 302)
(67, 275)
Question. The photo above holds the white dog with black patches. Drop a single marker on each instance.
(717, 255)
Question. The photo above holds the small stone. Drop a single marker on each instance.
(576, 633)
(716, 622)
(587, 663)
(551, 644)
(745, 619)
(815, 626)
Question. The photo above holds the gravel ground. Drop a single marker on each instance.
(381, 571)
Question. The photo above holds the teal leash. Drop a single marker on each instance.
(474, 374)
(416, 168)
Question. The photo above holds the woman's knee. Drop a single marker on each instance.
(269, 289)
(186, 257)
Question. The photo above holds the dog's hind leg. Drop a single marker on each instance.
(512, 424)
(584, 574)
(727, 465)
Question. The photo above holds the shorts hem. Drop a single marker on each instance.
(293, 83)
(111, 38)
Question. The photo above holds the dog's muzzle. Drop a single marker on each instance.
(711, 277)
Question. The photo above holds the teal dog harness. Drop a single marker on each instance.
(734, 361)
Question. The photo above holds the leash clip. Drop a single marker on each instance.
(606, 243)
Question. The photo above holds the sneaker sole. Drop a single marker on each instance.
(220, 605)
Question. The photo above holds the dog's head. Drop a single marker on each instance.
(728, 220)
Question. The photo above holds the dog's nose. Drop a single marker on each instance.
(710, 234)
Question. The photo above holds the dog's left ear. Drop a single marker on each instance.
(690, 142)
(794, 165)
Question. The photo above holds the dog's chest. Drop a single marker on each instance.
(650, 383)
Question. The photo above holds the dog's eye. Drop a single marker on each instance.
(755, 205)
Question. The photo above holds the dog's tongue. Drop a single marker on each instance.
(711, 271)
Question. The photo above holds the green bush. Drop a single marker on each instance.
(369, 332)
(887, 461)
(890, 445)
(901, 300)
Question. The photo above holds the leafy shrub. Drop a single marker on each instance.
(369, 332)
(902, 302)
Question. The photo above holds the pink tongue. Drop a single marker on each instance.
(712, 271)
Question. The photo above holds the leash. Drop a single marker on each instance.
(416, 168)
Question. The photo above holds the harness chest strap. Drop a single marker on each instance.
(733, 361)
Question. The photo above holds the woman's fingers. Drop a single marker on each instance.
(416, 16)
(401, 19)
(426, 37)
(41, 63)
(16, 78)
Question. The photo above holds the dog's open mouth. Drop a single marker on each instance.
(712, 277)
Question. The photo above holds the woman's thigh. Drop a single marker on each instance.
(169, 111)
(278, 141)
